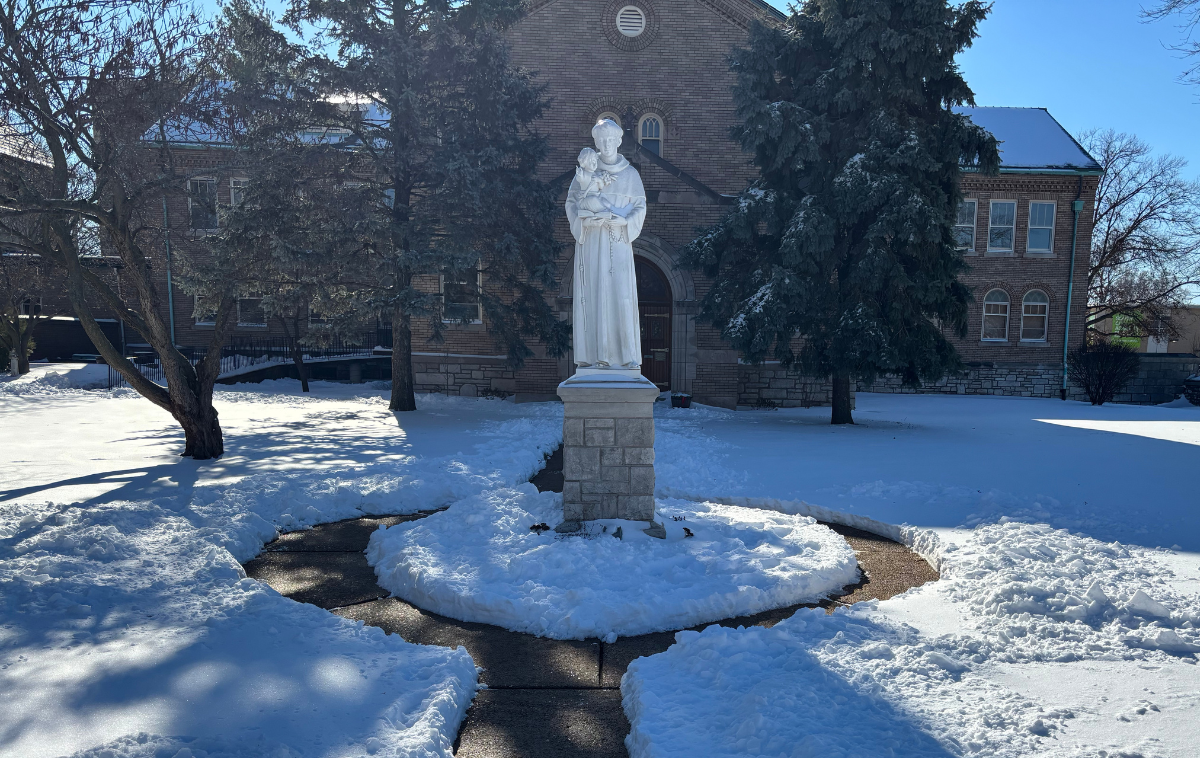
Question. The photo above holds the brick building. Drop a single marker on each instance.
(660, 69)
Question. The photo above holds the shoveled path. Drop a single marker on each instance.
(544, 698)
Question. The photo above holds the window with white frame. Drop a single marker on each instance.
(237, 190)
(1041, 228)
(203, 314)
(1002, 226)
(995, 316)
(1035, 308)
(964, 225)
(250, 312)
(202, 204)
(460, 295)
(610, 116)
(31, 306)
(650, 134)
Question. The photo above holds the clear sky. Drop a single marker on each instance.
(1093, 64)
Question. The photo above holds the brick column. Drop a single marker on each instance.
(608, 446)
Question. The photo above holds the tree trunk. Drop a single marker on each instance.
(293, 338)
(202, 431)
(841, 398)
(403, 398)
(23, 350)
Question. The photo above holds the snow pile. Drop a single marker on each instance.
(53, 378)
(1039, 594)
(866, 681)
(481, 561)
(127, 627)
(125, 604)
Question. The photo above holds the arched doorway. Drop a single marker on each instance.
(654, 315)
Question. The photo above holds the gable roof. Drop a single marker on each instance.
(1031, 140)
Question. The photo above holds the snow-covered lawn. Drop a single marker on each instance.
(125, 622)
(1037, 641)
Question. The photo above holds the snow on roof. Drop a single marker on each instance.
(1031, 139)
(15, 144)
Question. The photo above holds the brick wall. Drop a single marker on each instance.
(773, 384)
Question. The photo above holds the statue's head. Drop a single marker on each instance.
(607, 135)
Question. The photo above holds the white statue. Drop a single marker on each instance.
(606, 206)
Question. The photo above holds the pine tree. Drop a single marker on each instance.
(840, 259)
(300, 222)
(443, 125)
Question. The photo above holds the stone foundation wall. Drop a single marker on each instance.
(466, 376)
(767, 384)
(1160, 379)
(1016, 379)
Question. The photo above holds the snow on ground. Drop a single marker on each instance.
(127, 628)
(1037, 640)
(480, 561)
(47, 378)
(1114, 472)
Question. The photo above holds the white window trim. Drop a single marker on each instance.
(195, 307)
(610, 115)
(187, 188)
(1012, 249)
(237, 182)
(38, 308)
(478, 305)
(1045, 318)
(1029, 227)
(256, 324)
(1007, 317)
(662, 130)
(974, 224)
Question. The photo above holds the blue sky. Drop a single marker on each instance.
(1092, 63)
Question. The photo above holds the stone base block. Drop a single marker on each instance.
(608, 446)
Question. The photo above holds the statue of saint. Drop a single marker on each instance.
(606, 206)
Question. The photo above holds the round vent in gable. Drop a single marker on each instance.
(631, 21)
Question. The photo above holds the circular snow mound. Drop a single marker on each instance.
(481, 561)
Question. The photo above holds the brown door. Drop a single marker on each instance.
(654, 312)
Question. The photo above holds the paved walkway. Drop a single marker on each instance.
(545, 698)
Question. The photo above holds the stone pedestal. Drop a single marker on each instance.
(608, 445)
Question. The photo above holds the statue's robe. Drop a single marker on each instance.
(604, 289)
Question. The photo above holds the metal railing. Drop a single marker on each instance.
(247, 352)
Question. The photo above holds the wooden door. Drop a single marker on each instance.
(654, 315)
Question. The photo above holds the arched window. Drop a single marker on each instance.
(650, 134)
(1034, 310)
(995, 316)
(609, 115)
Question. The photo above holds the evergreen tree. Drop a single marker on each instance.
(840, 259)
(443, 125)
(297, 226)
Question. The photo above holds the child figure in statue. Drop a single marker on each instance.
(591, 181)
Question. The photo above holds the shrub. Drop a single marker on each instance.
(1103, 369)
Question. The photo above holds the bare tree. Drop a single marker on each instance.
(24, 278)
(1145, 255)
(106, 88)
(1188, 14)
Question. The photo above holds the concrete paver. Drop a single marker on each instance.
(509, 659)
(544, 724)
(328, 580)
(349, 536)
